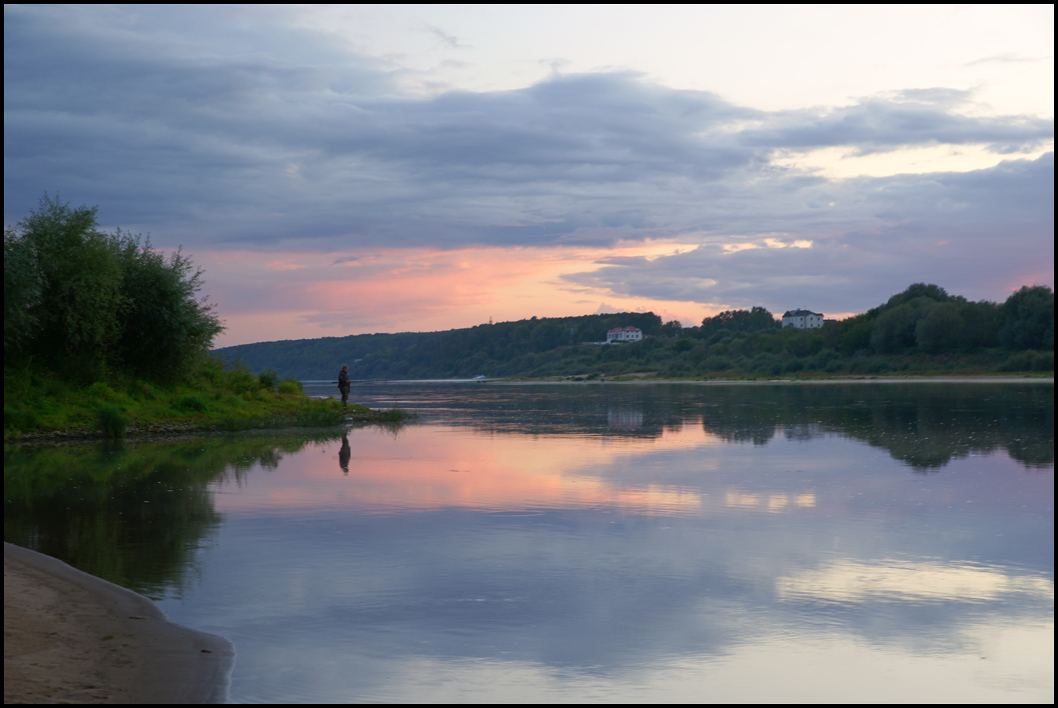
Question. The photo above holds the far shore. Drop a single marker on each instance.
(70, 637)
(796, 382)
(647, 379)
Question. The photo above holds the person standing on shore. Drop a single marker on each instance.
(343, 385)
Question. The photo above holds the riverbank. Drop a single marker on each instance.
(647, 379)
(70, 637)
(40, 408)
(355, 415)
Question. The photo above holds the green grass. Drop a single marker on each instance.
(213, 398)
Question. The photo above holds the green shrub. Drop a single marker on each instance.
(268, 380)
(290, 386)
(242, 381)
(20, 419)
(142, 390)
(1022, 361)
(716, 363)
(112, 421)
(192, 403)
(100, 392)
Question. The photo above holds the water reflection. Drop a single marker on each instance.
(344, 454)
(596, 543)
(133, 514)
(924, 425)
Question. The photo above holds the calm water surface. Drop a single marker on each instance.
(868, 542)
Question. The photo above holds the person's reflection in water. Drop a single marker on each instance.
(344, 454)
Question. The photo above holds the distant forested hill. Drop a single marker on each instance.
(501, 349)
(920, 330)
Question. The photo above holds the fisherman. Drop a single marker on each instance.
(343, 385)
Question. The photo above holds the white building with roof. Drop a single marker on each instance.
(802, 319)
(624, 334)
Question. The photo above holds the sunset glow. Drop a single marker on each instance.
(354, 169)
(499, 473)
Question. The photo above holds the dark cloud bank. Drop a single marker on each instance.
(209, 128)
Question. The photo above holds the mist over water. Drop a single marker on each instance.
(594, 542)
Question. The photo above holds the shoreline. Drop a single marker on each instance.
(633, 379)
(70, 637)
(174, 431)
(797, 382)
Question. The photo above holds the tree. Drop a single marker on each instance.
(917, 290)
(941, 329)
(738, 321)
(672, 328)
(895, 328)
(164, 327)
(22, 291)
(87, 301)
(1028, 319)
(75, 318)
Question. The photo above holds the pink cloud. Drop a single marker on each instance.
(267, 296)
(280, 265)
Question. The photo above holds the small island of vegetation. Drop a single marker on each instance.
(104, 335)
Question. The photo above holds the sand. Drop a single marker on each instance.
(70, 637)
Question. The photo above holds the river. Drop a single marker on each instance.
(593, 542)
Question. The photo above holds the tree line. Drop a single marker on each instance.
(88, 304)
(501, 349)
(922, 329)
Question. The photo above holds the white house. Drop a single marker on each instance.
(802, 319)
(624, 334)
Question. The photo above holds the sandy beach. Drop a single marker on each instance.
(70, 637)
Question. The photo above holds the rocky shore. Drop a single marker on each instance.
(142, 431)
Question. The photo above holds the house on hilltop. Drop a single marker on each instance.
(802, 319)
(624, 334)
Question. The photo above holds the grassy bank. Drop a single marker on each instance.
(215, 397)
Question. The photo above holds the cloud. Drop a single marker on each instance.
(980, 232)
(231, 129)
(903, 119)
(1005, 58)
(448, 40)
(307, 141)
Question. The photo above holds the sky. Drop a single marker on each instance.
(340, 170)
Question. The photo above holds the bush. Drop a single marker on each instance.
(268, 380)
(20, 419)
(112, 421)
(716, 363)
(192, 403)
(289, 387)
(100, 392)
(141, 390)
(242, 381)
(1021, 361)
